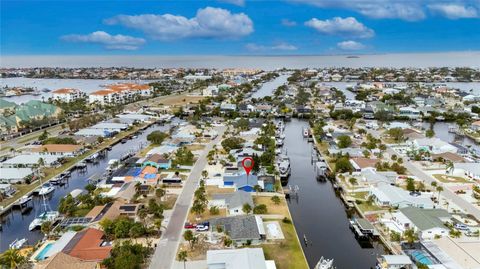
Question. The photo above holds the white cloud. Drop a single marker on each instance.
(454, 11)
(350, 45)
(208, 23)
(116, 42)
(239, 3)
(378, 9)
(277, 47)
(288, 23)
(348, 27)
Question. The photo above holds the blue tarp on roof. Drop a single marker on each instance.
(134, 172)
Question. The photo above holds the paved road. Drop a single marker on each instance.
(418, 172)
(166, 250)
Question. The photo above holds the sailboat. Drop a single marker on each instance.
(47, 215)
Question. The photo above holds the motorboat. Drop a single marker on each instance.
(283, 164)
(306, 132)
(46, 189)
(24, 200)
(56, 180)
(18, 243)
(42, 218)
(324, 264)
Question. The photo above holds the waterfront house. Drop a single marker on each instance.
(360, 164)
(429, 223)
(15, 175)
(6, 189)
(61, 150)
(433, 145)
(89, 245)
(233, 202)
(242, 182)
(386, 195)
(410, 112)
(60, 260)
(120, 94)
(68, 95)
(374, 177)
(394, 262)
(243, 258)
(29, 161)
(242, 229)
(158, 161)
(469, 170)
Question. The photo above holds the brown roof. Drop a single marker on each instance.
(87, 245)
(102, 92)
(109, 211)
(57, 148)
(62, 261)
(94, 212)
(449, 156)
(157, 158)
(365, 162)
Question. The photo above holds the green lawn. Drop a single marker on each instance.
(450, 179)
(288, 253)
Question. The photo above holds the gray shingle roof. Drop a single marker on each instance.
(238, 227)
(235, 199)
(425, 219)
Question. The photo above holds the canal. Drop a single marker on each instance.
(15, 224)
(269, 87)
(318, 213)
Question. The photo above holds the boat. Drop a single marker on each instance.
(284, 167)
(42, 218)
(24, 200)
(306, 133)
(18, 243)
(46, 189)
(56, 180)
(324, 264)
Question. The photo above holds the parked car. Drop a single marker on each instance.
(201, 228)
(461, 227)
(189, 225)
(415, 193)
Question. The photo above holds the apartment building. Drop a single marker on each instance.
(68, 95)
(120, 93)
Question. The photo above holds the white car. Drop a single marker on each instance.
(201, 228)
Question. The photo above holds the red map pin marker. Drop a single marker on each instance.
(247, 164)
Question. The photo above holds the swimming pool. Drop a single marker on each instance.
(420, 257)
(41, 255)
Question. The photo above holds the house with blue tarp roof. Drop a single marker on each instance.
(242, 182)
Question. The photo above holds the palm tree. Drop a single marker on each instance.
(13, 258)
(439, 189)
(410, 236)
(257, 189)
(204, 173)
(449, 167)
(353, 182)
(182, 256)
(46, 228)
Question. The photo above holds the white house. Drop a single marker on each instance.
(61, 150)
(120, 93)
(386, 195)
(470, 170)
(433, 145)
(394, 262)
(233, 202)
(428, 223)
(68, 95)
(242, 258)
(210, 91)
(409, 112)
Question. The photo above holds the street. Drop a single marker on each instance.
(166, 250)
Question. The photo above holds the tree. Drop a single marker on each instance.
(12, 258)
(260, 209)
(343, 165)
(449, 167)
(410, 235)
(232, 143)
(257, 189)
(439, 190)
(157, 137)
(43, 136)
(344, 141)
(434, 184)
(410, 184)
(90, 188)
(204, 173)
(126, 255)
(396, 134)
(275, 199)
(421, 186)
(190, 237)
(430, 133)
(160, 192)
(246, 208)
(353, 181)
(46, 228)
(182, 256)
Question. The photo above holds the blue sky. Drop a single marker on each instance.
(231, 27)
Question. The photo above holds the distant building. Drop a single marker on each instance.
(68, 95)
(21, 114)
(120, 94)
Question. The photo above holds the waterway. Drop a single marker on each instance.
(15, 224)
(269, 87)
(319, 214)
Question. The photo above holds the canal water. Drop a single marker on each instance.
(318, 213)
(15, 224)
(269, 87)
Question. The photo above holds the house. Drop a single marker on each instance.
(228, 107)
(394, 262)
(409, 112)
(386, 195)
(19, 114)
(89, 245)
(110, 126)
(15, 175)
(158, 161)
(476, 125)
(429, 223)
(233, 202)
(361, 164)
(6, 189)
(61, 150)
(68, 95)
(243, 258)
(29, 161)
(352, 152)
(109, 211)
(374, 177)
(470, 170)
(62, 260)
(242, 229)
(210, 91)
(433, 145)
(242, 182)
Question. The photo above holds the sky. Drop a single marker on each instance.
(237, 27)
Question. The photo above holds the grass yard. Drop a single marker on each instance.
(192, 217)
(288, 253)
(450, 179)
(280, 209)
(365, 207)
(22, 189)
(359, 195)
(195, 147)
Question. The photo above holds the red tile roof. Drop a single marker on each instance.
(87, 245)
